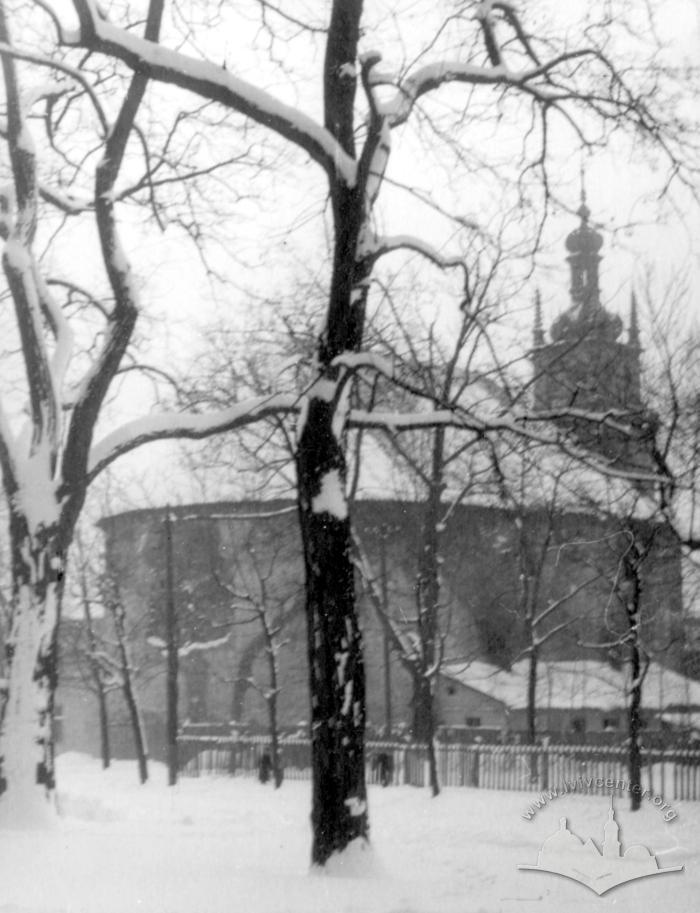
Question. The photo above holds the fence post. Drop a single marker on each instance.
(544, 764)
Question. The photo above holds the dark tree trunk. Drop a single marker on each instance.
(137, 729)
(424, 725)
(635, 732)
(336, 670)
(638, 542)
(127, 686)
(277, 773)
(531, 733)
(105, 751)
(532, 698)
(97, 677)
(428, 605)
(384, 584)
(172, 658)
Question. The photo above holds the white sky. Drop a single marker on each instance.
(174, 284)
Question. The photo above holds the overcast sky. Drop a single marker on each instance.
(622, 188)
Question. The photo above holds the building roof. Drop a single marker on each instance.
(577, 684)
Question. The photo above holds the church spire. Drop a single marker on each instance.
(584, 244)
(611, 831)
(538, 328)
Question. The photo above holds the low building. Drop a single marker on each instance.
(576, 700)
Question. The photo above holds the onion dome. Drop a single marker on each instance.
(586, 317)
(584, 239)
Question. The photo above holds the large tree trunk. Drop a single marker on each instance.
(26, 748)
(336, 670)
(424, 725)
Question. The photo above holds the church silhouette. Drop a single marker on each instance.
(564, 853)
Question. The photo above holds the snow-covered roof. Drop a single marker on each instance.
(576, 684)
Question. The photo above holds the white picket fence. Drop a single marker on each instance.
(672, 773)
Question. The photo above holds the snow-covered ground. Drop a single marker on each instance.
(218, 845)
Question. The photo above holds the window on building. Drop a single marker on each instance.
(451, 690)
(610, 722)
(578, 724)
(473, 721)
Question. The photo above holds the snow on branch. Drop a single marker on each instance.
(535, 80)
(194, 646)
(355, 360)
(389, 244)
(484, 425)
(7, 50)
(18, 259)
(166, 425)
(68, 203)
(60, 328)
(433, 76)
(215, 84)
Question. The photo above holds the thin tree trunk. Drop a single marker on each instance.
(635, 732)
(243, 674)
(428, 603)
(636, 552)
(137, 729)
(105, 749)
(97, 676)
(277, 771)
(384, 583)
(272, 702)
(531, 733)
(172, 645)
(129, 693)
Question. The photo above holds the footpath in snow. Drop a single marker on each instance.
(220, 845)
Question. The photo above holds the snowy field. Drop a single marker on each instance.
(218, 845)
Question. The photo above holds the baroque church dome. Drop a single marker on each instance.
(586, 317)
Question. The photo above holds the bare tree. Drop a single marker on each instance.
(97, 679)
(121, 672)
(499, 60)
(56, 388)
(256, 584)
(98, 655)
(538, 494)
(434, 465)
